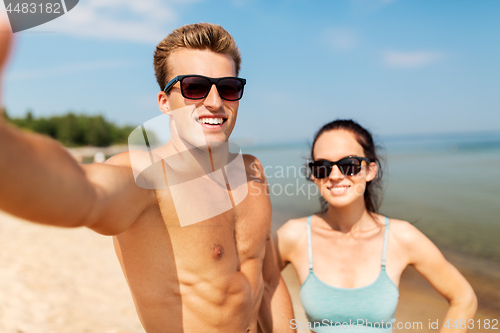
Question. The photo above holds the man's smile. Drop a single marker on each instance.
(212, 121)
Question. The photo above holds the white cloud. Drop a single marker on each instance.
(144, 21)
(398, 59)
(66, 69)
(340, 39)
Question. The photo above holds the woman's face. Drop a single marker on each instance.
(337, 189)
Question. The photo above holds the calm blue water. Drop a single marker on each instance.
(447, 185)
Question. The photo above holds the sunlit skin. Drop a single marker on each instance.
(218, 262)
(5, 41)
(338, 190)
(218, 275)
(348, 241)
(210, 64)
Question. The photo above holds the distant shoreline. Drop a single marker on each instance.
(86, 154)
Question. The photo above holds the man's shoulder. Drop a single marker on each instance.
(253, 168)
(130, 158)
(251, 162)
(122, 159)
(248, 158)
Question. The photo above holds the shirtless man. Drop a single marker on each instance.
(217, 275)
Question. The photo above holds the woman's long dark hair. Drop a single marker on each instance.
(373, 191)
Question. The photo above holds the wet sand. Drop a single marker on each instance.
(69, 281)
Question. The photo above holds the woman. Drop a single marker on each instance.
(349, 258)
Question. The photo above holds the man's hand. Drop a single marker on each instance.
(5, 43)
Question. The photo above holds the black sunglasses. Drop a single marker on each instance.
(198, 86)
(349, 166)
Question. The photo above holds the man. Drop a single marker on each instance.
(213, 275)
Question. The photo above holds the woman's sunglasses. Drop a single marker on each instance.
(349, 166)
(198, 87)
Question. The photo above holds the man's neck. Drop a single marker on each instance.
(183, 156)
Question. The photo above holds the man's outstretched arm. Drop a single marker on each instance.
(41, 182)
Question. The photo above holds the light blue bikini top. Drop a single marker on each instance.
(370, 308)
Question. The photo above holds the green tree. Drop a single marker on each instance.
(4, 114)
(75, 130)
(99, 132)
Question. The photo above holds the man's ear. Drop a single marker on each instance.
(163, 103)
(372, 171)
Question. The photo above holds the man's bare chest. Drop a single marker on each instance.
(238, 234)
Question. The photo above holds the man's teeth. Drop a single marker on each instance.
(212, 121)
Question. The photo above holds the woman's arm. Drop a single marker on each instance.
(443, 276)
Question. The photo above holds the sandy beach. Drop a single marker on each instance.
(69, 281)
(55, 280)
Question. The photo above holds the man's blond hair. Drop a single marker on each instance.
(198, 36)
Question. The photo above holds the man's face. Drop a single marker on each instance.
(193, 121)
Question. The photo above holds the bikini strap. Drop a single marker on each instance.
(386, 237)
(309, 243)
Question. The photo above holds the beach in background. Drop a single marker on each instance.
(448, 186)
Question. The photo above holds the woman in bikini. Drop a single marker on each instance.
(349, 258)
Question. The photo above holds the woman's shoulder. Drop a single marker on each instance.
(293, 229)
(404, 232)
(292, 233)
(291, 240)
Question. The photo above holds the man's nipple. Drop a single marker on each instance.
(217, 252)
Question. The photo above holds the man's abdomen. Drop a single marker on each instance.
(189, 279)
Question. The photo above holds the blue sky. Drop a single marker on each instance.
(396, 66)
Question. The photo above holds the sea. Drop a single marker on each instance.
(447, 185)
